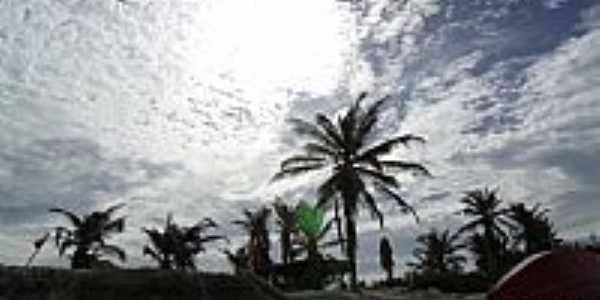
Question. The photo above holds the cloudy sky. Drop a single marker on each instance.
(180, 106)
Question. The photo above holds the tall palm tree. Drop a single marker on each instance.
(533, 228)
(347, 149)
(87, 235)
(484, 206)
(258, 245)
(386, 258)
(175, 247)
(437, 253)
(286, 220)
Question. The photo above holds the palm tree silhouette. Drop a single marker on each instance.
(175, 247)
(259, 244)
(87, 235)
(484, 206)
(534, 230)
(348, 150)
(286, 220)
(436, 253)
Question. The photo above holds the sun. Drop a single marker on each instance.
(269, 45)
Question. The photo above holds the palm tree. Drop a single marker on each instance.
(175, 247)
(484, 206)
(534, 230)
(437, 253)
(310, 242)
(88, 234)
(347, 149)
(386, 258)
(286, 220)
(258, 245)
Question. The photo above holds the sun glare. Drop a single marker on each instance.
(273, 45)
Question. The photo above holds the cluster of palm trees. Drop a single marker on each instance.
(173, 248)
(347, 148)
(358, 164)
(497, 235)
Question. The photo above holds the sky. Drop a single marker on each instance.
(181, 107)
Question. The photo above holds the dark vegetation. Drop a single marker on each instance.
(496, 234)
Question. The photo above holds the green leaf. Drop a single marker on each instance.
(309, 219)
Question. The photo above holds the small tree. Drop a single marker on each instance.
(175, 247)
(88, 236)
(259, 244)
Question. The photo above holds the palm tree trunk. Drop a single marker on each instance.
(338, 223)
(81, 259)
(351, 249)
(285, 246)
(490, 259)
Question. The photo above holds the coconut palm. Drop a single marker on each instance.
(484, 206)
(259, 244)
(347, 149)
(437, 253)
(88, 236)
(534, 230)
(175, 247)
(386, 258)
(286, 221)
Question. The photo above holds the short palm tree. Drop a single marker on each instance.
(259, 244)
(88, 236)
(484, 206)
(347, 149)
(286, 220)
(312, 232)
(175, 247)
(437, 253)
(533, 228)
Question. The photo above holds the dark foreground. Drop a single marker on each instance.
(50, 284)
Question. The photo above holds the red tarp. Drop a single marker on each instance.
(560, 274)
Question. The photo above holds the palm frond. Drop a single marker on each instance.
(370, 201)
(295, 171)
(325, 123)
(386, 146)
(378, 176)
(210, 238)
(405, 207)
(300, 160)
(115, 226)
(314, 148)
(327, 190)
(111, 209)
(302, 127)
(369, 119)
(406, 166)
(66, 244)
(75, 220)
(113, 250)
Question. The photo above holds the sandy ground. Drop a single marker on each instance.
(381, 295)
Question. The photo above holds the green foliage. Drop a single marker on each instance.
(309, 219)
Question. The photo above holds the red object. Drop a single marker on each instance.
(557, 275)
